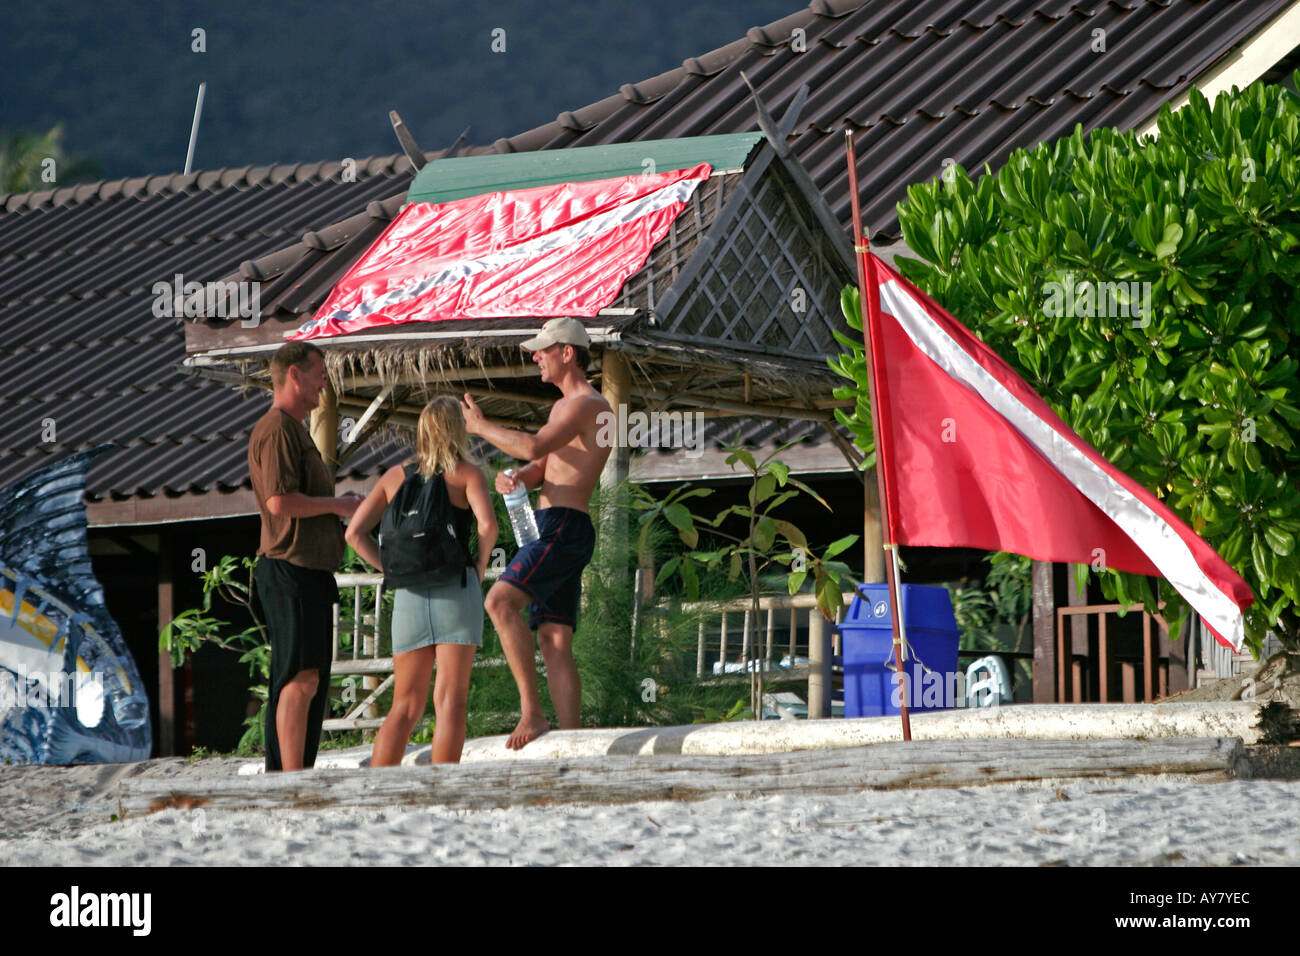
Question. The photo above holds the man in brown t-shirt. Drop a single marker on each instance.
(301, 545)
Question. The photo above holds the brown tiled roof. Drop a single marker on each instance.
(924, 81)
(87, 362)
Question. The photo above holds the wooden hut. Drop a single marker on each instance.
(732, 313)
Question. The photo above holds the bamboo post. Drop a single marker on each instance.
(616, 388)
(334, 656)
(356, 621)
(370, 683)
(699, 651)
(819, 666)
(873, 541)
(325, 427)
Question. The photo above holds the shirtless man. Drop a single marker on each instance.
(546, 576)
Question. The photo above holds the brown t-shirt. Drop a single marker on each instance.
(282, 460)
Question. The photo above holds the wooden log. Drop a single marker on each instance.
(628, 779)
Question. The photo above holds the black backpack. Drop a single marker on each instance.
(419, 543)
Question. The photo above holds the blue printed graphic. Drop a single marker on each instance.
(69, 690)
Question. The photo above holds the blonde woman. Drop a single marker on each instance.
(440, 622)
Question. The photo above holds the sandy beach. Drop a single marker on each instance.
(63, 816)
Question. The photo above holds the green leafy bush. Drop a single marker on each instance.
(1146, 289)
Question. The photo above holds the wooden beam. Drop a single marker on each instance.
(1077, 641)
(133, 548)
(370, 419)
(362, 431)
(409, 415)
(233, 341)
(791, 114)
(873, 534)
(467, 373)
(407, 141)
(166, 743)
(1179, 654)
(849, 451)
(187, 507)
(742, 408)
(618, 779)
(1044, 610)
(834, 232)
(686, 355)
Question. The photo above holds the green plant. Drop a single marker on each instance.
(747, 553)
(232, 580)
(994, 616)
(716, 715)
(1175, 353)
(613, 646)
(31, 161)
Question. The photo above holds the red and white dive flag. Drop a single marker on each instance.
(547, 251)
(974, 458)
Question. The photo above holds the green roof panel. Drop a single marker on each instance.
(444, 180)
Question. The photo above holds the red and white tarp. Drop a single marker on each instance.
(561, 250)
(975, 458)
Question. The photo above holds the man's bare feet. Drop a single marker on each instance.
(527, 731)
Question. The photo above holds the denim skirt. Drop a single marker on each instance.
(442, 614)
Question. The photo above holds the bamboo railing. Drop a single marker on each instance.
(722, 626)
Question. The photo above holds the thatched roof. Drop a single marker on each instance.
(732, 313)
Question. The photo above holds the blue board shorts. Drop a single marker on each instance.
(549, 570)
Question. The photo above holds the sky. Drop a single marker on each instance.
(296, 81)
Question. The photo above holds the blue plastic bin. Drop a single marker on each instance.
(867, 643)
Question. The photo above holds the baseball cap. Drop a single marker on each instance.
(559, 331)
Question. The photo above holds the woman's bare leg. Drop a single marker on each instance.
(450, 692)
(411, 673)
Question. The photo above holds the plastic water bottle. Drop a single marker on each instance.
(522, 520)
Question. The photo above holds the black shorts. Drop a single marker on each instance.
(298, 607)
(550, 569)
(297, 604)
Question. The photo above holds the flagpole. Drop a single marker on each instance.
(870, 326)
